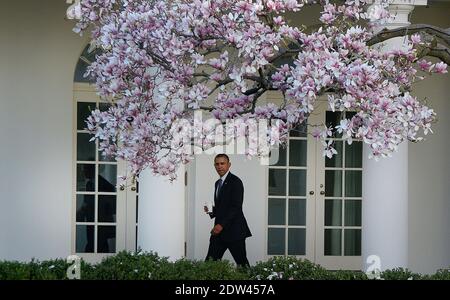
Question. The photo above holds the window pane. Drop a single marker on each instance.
(277, 211)
(297, 182)
(332, 241)
(333, 183)
(106, 208)
(107, 178)
(276, 241)
(350, 114)
(333, 119)
(299, 130)
(83, 111)
(297, 153)
(335, 160)
(85, 149)
(296, 241)
(281, 161)
(86, 177)
(102, 106)
(85, 239)
(353, 155)
(82, 64)
(85, 208)
(353, 183)
(297, 212)
(102, 157)
(106, 239)
(80, 71)
(333, 212)
(353, 213)
(277, 182)
(352, 244)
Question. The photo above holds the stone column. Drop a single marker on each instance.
(385, 187)
(161, 215)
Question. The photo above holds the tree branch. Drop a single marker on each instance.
(255, 100)
(219, 84)
(282, 53)
(439, 52)
(441, 36)
(207, 108)
(160, 60)
(386, 34)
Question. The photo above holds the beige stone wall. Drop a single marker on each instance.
(38, 54)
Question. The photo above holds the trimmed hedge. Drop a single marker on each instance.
(148, 265)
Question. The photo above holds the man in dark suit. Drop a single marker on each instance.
(230, 227)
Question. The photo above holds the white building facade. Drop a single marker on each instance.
(59, 196)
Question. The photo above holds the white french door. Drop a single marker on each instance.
(314, 203)
(290, 208)
(338, 197)
(104, 208)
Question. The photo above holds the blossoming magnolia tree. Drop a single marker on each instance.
(163, 60)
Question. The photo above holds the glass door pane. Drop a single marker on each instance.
(289, 208)
(339, 199)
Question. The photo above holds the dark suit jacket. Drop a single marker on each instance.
(228, 210)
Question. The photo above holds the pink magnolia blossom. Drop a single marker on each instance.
(425, 65)
(440, 68)
(163, 61)
(416, 39)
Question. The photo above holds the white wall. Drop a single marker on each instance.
(429, 168)
(38, 53)
(252, 174)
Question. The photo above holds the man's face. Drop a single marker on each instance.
(222, 165)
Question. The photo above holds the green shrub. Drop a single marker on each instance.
(184, 269)
(347, 275)
(130, 265)
(13, 270)
(288, 268)
(48, 270)
(148, 265)
(442, 274)
(400, 274)
(142, 266)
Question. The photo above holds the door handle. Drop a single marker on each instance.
(311, 192)
(133, 188)
(322, 192)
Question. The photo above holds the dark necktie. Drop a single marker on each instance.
(219, 186)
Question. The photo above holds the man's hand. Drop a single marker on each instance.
(217, 229)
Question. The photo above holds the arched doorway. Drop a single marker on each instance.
(104, 209)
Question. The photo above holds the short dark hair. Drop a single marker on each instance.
(222, 155)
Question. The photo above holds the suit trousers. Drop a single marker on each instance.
(217, 248)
